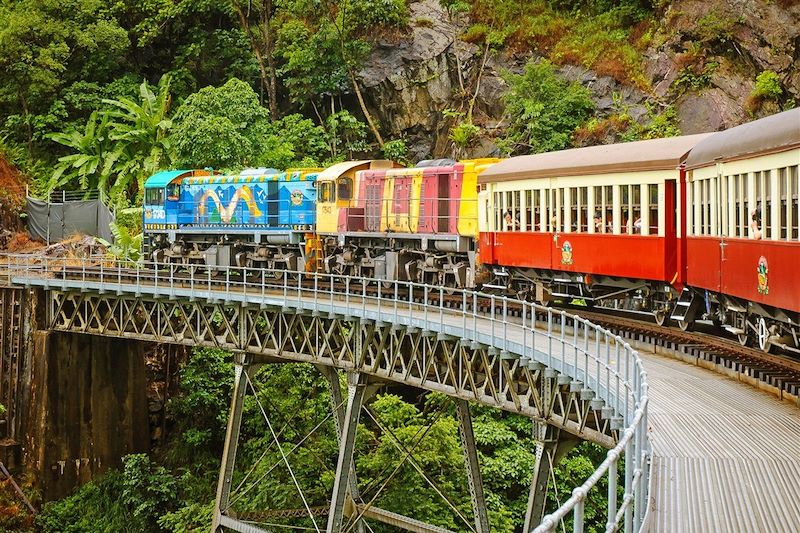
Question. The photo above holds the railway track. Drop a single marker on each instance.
(779, 372)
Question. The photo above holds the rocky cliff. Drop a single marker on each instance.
(703, 60)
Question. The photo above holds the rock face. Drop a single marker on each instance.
(731, 41)
(410, 82)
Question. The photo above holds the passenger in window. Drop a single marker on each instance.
(626, 227)
(637, 225)
(755, 224)
(511, 224)
(598, 223)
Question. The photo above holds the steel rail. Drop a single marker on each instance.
(618, 380)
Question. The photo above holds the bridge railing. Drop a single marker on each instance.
(589, 354)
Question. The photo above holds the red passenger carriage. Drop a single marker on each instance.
(743, 247)
(599, 224)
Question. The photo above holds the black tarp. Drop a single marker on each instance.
(52, 222)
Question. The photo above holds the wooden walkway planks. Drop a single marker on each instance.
(726, 456)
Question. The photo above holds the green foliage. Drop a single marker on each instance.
(201, 410)
(768, 86)
(694, 78)
(148, 490)
(346, 135)
(370, 13)
(293, 141)
(120, 146)
(714, 27)
(463, 134)
(48, 44)
(127, 247)
(129, 501)
(606, 36)
(543, 110)
(220, 127)
(396, 150)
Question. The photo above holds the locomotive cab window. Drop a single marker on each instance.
(173, 191)
(154, 196)
(325, 191)
(344, 188)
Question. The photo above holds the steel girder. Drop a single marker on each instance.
(408, 355)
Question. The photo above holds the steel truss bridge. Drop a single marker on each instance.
(574, 380)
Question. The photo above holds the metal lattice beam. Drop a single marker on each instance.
(390, 352)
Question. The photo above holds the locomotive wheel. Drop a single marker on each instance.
(763, 332)
(685, 325)
(742, 338)
(660, 317)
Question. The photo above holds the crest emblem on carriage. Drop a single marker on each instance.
(297, 197)
(763, 276)
(566, 253)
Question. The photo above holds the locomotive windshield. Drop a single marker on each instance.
(154, 196)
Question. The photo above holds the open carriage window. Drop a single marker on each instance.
(652, 194)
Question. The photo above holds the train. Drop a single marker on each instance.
(685, 229)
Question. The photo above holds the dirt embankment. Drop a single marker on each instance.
(12, 197)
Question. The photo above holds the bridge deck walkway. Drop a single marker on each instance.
(726, 456)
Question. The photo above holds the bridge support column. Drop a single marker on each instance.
(242, 368)
(551, 446)
(356, 393)
(338, 406)
(473, 468)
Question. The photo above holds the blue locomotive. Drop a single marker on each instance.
(256, 218)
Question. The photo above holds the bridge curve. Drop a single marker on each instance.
(562, 371)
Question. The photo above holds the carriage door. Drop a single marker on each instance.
(443, 198)
(402, 193)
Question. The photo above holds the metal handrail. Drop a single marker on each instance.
(615, 375)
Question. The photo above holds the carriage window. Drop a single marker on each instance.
(652, 200)
(794, 180)
(766, 178)
(741, 211)
(599, 208)
(498, 209)
(561, 220)
(783, 185)
(631, 208)
(573, 208)
(325, 191)
(515, 210)
(583, 208)
(528, 211)
(344, 188)
(154, 196)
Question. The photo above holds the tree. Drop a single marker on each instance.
(543, 110)
(47, 44)
(220, 127)
(262, 41)
(120, 147)
(140, 132)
